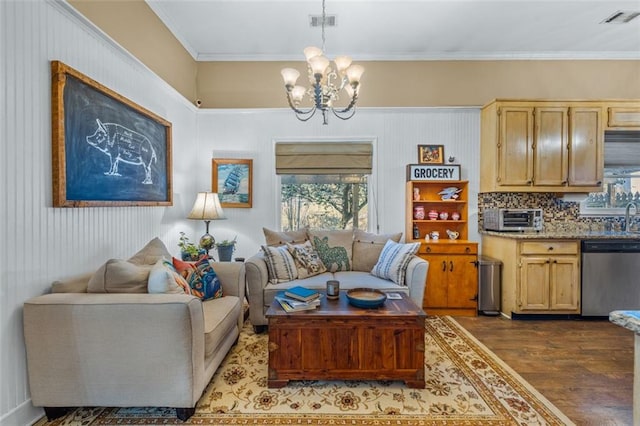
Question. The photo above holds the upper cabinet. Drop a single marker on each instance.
(623, 115)
(541, 146)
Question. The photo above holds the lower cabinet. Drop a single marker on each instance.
(452, 278)
(538, 277)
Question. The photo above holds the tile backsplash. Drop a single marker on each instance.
(558, 214)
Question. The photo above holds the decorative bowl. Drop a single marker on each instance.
(366, 298)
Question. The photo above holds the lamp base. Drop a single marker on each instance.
(207, 242)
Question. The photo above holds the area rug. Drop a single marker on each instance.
(466, 384)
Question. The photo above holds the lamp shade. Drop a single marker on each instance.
(207, 207)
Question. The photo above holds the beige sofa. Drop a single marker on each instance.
(363, 250)
(129, 349)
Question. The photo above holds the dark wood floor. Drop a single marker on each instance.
(584, 367)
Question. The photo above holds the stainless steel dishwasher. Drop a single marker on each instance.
(610, 276)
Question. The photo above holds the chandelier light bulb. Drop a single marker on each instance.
(297, 93)
(312, 51)
(354, 73)
(290, 76)
(342, 63)
(319, 64)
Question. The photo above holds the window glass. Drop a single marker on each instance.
(620, 186)
(324, 202)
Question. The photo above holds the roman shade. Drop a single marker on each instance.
(323, 158)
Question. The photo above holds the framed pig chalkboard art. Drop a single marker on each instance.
(107, 150)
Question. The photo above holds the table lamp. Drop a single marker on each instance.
(207, 207)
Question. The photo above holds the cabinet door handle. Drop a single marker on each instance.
(547, 261)
(444, 266)
(467, 250)
(550, 248)
(451, 266)
(428, 249)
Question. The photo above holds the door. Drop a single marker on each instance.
(436, 290)
(462, 281)
(586, 159)
(515, 140)
(551, 146)
(534, 283)
(564, 278)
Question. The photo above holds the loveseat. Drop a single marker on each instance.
(102, 339)
(354, 258)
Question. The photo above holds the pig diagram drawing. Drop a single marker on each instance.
(121, 144)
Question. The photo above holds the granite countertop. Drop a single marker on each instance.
(627, 319)
(565, 234)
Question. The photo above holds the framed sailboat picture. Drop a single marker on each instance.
(232, 179)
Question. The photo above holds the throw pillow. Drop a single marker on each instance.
(163, 278)
(277, 238)
(393, 261)
(151, 253)
(280, 264)
(119, 276)
(367, 248)
(334, 248)
(202, 279)
(306, 259)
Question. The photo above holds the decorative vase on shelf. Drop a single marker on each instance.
(418, 212)
(416, 194)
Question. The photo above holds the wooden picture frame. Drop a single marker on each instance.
(106, 150)
(431, 154)
(232, 179)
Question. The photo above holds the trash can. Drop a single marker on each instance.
(489, 284)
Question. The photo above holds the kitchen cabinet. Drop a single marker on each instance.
(541, 146)
(452, 278)
(538, 276)
(623, 115)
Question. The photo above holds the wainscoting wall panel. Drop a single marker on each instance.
(396, 133)
(41, 243)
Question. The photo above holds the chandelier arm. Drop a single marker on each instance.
(344, 117)
(351, 105)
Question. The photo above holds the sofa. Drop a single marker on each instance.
(354, 258)
(128, 335)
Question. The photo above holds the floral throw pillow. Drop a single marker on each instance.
(202, 279)
(307, 260)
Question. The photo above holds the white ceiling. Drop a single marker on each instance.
(241, 30)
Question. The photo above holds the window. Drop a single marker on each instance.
(324, 185)
(620, 186)
(324, 202)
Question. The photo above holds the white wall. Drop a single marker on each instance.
(41, 243)
(395, 132)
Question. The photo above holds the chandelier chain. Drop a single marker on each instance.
(324, 20)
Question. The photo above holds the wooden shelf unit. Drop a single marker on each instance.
(452, 279)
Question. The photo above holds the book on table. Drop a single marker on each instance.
(292, 305)
(301, 293)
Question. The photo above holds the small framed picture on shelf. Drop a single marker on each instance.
(431, 154)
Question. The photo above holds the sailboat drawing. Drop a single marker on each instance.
(232, 182)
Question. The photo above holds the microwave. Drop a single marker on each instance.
(519, 220)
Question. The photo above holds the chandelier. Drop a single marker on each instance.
(326, 83)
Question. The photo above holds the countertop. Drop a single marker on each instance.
(627, 319)
(564, 234)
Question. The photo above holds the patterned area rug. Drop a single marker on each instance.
(466, 384)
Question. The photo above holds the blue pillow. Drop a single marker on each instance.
(203, 280)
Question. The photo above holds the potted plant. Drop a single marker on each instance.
(188, 250)
(225, 249)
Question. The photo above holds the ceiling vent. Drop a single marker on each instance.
(621, 17)
(316, 20)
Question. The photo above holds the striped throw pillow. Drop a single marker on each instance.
(393, 261)
(280, 264)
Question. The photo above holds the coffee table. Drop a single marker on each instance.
(338, 341)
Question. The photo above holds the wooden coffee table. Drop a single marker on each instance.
(338, 341)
